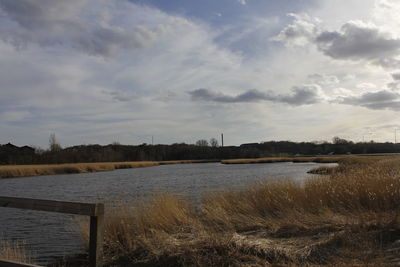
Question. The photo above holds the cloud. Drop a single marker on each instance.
(13, 116)
(396, 76)
(120, 96)
(67, 23)
(323, 79)
(357, 40)
(303, 95)
(379, 100)
(243, 2)
(301, 31)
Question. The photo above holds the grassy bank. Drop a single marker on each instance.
(13, 171)
(349, 217)
(322, 159)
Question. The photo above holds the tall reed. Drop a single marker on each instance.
(347, 217)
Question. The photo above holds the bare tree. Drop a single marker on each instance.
(202, 142)
(53, 144)
(213, 142)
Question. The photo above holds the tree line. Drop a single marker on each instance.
(202, 149)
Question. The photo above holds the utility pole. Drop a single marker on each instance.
(222, 139)
(395, 136)
(152, 140)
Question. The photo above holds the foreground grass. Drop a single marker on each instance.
(349, 217)
(13, 171)
(14, 252)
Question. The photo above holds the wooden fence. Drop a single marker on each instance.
(94, 210)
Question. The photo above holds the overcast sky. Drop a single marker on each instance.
(99, 71)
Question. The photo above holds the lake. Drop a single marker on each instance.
(50, 235)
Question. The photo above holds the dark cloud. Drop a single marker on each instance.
(380, 100)
(120, 97)
(300, 96)
(304, 95)
(396, 76)
(59, 22)
(357, 40)
(211, 96)
(394, 85)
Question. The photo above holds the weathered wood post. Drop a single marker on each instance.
(96, 237)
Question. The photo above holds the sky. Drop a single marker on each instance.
(103, 71)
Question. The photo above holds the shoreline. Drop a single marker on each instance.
(19, 171)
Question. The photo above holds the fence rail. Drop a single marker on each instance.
(94, 210)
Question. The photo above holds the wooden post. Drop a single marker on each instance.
(96, 237)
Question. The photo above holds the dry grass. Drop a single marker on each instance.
(347, 218)
(14, 252)
(13, 171)
(187, 161)
(322, 159)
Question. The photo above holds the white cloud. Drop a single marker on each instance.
(324, 79)
(300, 31)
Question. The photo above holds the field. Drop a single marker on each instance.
(347, 218)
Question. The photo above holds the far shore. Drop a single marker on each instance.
(15, 171)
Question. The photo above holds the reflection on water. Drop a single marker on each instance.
(48, 235)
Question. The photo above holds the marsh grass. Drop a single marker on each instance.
(12, 171)
(14, 252)
(322, 159)
(345, 218)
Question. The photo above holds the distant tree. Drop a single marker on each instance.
(319, 142)
(213, 142)
(340, 141)
(202, 142)
(53, 143)
(38, 150)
